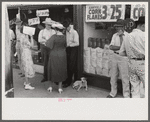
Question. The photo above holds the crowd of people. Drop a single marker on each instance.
(59, 48)
(59, 45)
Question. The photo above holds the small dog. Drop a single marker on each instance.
(80, 83)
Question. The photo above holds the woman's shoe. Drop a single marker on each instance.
(60, 90)
(29, 87)
(50, 89)
(22, 75)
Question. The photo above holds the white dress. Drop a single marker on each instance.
(26, 57)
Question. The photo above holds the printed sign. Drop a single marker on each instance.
(34, 21)
(105, 13)
(137, 11)
(42, 13)
(28, 30)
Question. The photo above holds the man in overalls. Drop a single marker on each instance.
(119, 63)
(134, 48)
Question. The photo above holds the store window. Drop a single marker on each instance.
(98, 31)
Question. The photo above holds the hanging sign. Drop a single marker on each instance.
(42, 13)
(137, 10)
(34, 21)
(105, 13)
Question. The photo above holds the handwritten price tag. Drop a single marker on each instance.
(34, 21)
(104, 13)
(137, 11)
(42, 13)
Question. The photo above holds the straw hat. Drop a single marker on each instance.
(58, 25)
(119, 23)
(48, 21)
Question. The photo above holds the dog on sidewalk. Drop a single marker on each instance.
(80, 83)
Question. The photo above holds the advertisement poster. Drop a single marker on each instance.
(105, 13)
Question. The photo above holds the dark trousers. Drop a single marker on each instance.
(72, 57)
(45, 58)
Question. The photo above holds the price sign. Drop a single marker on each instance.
(137, 11)
(42, 13)
(34, 21)
(104, 13)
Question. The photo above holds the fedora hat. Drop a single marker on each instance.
(58, 25)
(119, 23)
(18, 21)
(141, 20)
(48, 21)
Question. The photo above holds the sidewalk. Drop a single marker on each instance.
(40, 90)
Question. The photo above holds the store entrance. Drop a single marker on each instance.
(58, 13)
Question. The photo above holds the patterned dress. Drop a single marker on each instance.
(26, 57)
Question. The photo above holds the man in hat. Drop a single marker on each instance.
(44, 35)
(134, 48)
(72, 38)
(119, 63)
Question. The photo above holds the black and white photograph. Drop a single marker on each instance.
(63, 58)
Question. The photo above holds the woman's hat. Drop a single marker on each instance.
(119, 23)
(18, 21)
(48, 21)
(58, 25)
(141, 20)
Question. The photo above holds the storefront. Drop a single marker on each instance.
(94, 23)
(97, 24)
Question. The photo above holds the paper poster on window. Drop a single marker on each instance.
(42, 13)
(28, 30)
(105, 13)
(137, 10)
(34, 21)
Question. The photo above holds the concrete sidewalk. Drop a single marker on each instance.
(40, 90)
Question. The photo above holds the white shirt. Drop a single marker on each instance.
(115, 41)
(134, 45)
(72, 38)
(44, 35)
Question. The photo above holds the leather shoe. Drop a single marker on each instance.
(109, 96)
(44, 80)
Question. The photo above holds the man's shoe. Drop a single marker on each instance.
(109, 96)
(44, 80)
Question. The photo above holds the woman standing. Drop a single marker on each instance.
(26, 59)
(57, 65)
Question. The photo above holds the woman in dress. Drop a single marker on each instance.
(26, 59)
(57, 65)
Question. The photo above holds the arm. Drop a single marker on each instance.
(76, 40)
(112, 44)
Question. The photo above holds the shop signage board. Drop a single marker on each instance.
(34, 21)
(137, 10)
(105, 13)
(42, 13)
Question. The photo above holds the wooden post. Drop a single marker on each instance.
(8, 60)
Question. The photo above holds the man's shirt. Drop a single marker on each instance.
(72, 38)
(44, 35)
(116, 39)
(134, 45)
